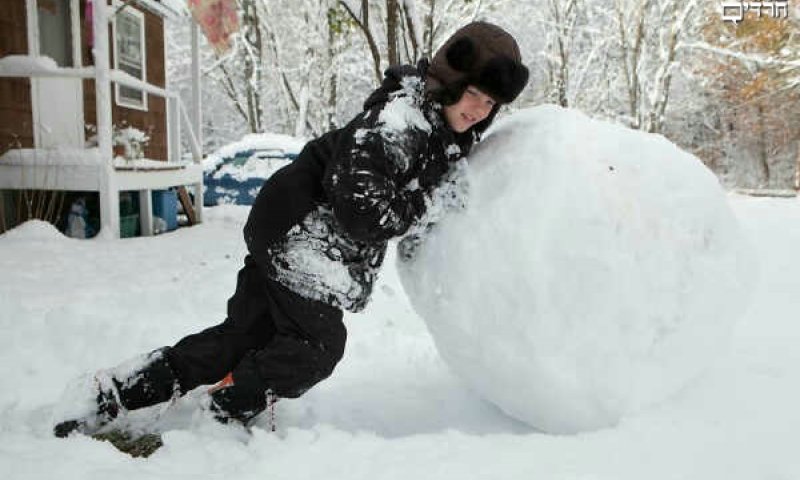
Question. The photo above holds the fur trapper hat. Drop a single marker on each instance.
(480, 54)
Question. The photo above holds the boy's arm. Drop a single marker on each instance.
(283, 201)
(449, 196)
(364, 182)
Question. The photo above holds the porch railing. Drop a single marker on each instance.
(177, 116)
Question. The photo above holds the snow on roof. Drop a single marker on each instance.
(33, 65)
(255, 141)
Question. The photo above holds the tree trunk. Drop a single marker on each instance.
(631, 58)
(289, 103)
(797, 168)
(413, 31)
(563, 79)
(332, 79)
(391, 32)
(363, 24)
(301, 121)
(663, 77)
(428, 35)
(252, 69)
(762, 145)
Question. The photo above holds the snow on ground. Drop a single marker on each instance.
(392, 409)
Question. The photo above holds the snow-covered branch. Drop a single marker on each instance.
(744, 57)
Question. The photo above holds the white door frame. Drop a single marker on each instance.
(77, 61)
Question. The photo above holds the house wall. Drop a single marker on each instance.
(16, 118)
(154, 120)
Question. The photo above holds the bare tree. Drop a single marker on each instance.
(651, 34)
(443, 17)
(751, 72)
(631, 18)
(392, 10)
(251, 53)
(429, 29)
(412, 28)
(362, 20)
(676, 16)
(564, 14)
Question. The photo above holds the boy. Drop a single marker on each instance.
(318, 232)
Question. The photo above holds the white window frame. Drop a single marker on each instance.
(120, 100)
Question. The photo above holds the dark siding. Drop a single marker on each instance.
(154, 120)
(16, 119)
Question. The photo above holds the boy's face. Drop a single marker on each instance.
(473, 107)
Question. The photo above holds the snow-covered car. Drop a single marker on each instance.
(234, 173)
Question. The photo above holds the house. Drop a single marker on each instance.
(74, 72)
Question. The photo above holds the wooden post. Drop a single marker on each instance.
(109, 194)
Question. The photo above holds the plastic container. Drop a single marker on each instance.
(165, 206)
(129, 225)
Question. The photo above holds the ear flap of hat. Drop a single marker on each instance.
(462, 55)
(503, 78)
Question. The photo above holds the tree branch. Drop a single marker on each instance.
(364, 26)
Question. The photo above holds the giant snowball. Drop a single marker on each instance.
(595, 271)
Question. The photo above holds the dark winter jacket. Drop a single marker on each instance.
(320, 225)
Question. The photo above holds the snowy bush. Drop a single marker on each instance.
(130, 140)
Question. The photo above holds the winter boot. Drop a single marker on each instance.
(144, 381)
(236, 402)
(89, 414)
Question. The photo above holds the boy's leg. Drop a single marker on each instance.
(309, 341)
(202, 358)
(95, 400)
(206, 357)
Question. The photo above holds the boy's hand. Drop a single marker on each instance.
(416, 201)
(407, 247)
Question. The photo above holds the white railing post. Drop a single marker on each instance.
(197, 157)
(197, 117)
(197, 102)
(109, 194)
(173, 128)
(197, 154)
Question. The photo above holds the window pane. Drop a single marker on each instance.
(129, 45)
(131, 95)
(55, 34)
(130, 54)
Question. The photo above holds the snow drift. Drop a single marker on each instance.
(595, 271)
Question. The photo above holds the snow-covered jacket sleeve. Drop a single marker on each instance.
(368, 179)
(450, 195)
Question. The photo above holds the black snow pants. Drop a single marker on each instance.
(272, 339)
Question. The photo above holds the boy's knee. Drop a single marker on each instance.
(288, 366)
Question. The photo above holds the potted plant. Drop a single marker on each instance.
(129, 142)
